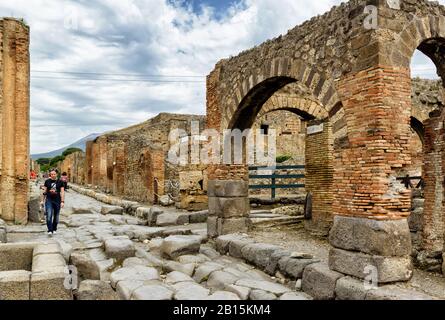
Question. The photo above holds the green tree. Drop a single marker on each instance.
(69, 151)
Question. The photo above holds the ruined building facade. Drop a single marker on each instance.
(14, 120)
(133, 163)
(357, 83)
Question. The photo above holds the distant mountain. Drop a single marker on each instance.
(81, 144)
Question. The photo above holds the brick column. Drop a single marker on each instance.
(14, 121)
(370, 228)
(89, 162)
(319, 176)
(433, 172)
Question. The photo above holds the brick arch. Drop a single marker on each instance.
(252, 90)
(307, 108)
(427, 34)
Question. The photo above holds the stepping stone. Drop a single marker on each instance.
(175, 246)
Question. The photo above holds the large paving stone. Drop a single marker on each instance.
(176, 276)
(242, 292)
(209, 252)
(319, 281)
(96, 290)
(272, 287)
(223, 295)
(203, 272)
(349, 288)
(262, 295)
(219, 279)
(395, 293)
(187, 269)
(175, 246)
(296, 296)
(258, 253)
(119, 249)
(190, 291)
(14, 285)
(383, 238)
(389, 269)
(47, 262)
(125, 288)
(228, 188)
(197, 259)
(111, 210)
(172, 219)
(152, 292)
(136, 273)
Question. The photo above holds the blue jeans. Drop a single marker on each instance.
(52, 214)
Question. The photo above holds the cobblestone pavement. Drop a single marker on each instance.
(119, 257)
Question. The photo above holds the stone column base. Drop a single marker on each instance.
(370, 249)
(229, 207)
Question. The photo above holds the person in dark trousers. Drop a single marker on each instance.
(64, 178)
(54, 200)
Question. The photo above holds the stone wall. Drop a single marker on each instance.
(14, 120)
(132, 163)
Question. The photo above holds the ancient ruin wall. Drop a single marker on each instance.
(14, 120)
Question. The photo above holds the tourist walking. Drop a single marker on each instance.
(54, 200)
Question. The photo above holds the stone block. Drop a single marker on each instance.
(396, 293)
(111, 210)
(236, 246)
(261, 295)
(223, 296)
(229, 226)
(361, 265)
(258, 253)
(384, 238)
(175, 246)
(14, 285)
(242, 292)
(51, 248)
(319, 281)
(212, 226)
(223, 242)
(415, 220)
(272, 266)
(199, 217)
(135, 273)
(229, 207)
(47, 262)
(152, 292)
(34, 209)
(16, 256)
(143, 212)
(119, 249)
(203, 272)
(294, 268)
(153, 215)
(296, 296)
(190, 291)
(50, 286)
(219, 279)
(349, 288)
(96, 290)
(172, 219)
(267, 286)
(228, 188)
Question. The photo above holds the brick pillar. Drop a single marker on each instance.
(319, 176)
(14, 121)
(95, 166)
(370, 230)
(89, 162)
(119, 164)
(433, 173)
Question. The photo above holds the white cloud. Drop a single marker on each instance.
(135, 36)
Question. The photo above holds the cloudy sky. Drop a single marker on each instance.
(99, 65)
